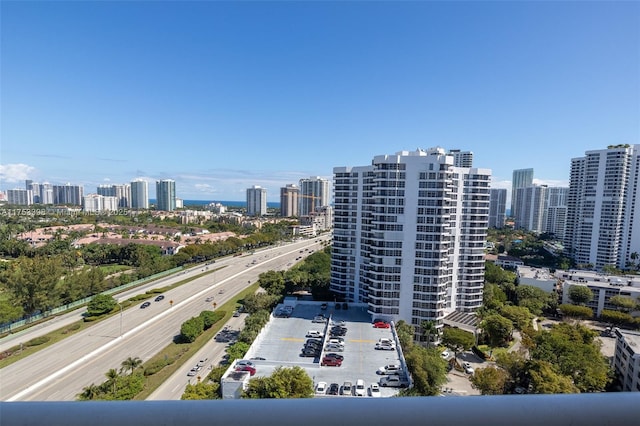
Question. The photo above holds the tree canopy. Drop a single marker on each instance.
(284, 382)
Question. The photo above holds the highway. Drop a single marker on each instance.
(59, 372)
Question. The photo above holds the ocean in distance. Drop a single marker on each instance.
(224, 203)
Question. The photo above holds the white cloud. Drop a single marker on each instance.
(17, 172)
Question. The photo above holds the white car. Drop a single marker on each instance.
(385, 346)
(374, 390)
(466, 365)
(469, 370)
(243, 362)
(389, 369)
(360, 389)
(334, 348)
(338, 324)
(321, 388)
(445, 354)
(393, 381)
(315, 333)
(319, 319)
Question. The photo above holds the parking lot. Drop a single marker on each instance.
(282, 341)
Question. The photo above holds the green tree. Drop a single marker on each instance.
(575, 311)
(428, 370)
(624, 303)
(284, 382)
(535, 299)
(237, 350)
(580, 295)
(101, 304)
(131, 364)
(457, 339)
(9, 312)
(499, 329)
(490, 380)
(545, 379)
(112, 379)
(575, 353)
(429, 331)
(191, 329)
(89, 393)
(201, 391)
(273, 282)
(405, 334)
(519, 316)
(616, 318)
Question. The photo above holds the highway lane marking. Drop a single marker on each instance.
(87, 357)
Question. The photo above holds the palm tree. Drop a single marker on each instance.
(90, 392)
(428, 330)
(112, 375)
(131, 364)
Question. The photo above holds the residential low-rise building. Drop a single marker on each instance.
(537, 277)
(626, 360)
(603, 286)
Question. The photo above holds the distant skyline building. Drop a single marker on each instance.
(314, 193)
(256, 201)
(20, 197)
(603, 214)
(522, 178)
(68, 194)
(139, 194)
(289, 201)
(462, 158)
(97, 203)
(409, 236)
(121, 192)
(497, 208)
(530, 208)
(166, 195)
(555, 220)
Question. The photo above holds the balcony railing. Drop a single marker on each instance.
(618, 409)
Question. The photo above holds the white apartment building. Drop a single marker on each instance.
(626, 360)
(99, 203)
(530, 208)
(603, 287)
(314, 193)
(497, 208)
(603, 214)
(139, 194)
(121, 192)
(20, 197)
(462, 158)
(256, 201)
(409, 235)
(555, 219)
(522, 178)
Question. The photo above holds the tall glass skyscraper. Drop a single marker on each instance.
(522, 178)
(139, 194)
(166, 195)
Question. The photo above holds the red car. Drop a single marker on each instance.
(381, 324)
(248, 368)
(331, 361)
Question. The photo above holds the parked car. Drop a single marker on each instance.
(360, 390)
(346, 389)
(159, 298)
(334, 389)
(145, 305)
(381, 324)
(321, 388)
(315, 333)
(336, 348)
(312, 353)
(250, 369)
(242, 362)
(323, 306)
(385, 346)
(338, 324)
(236, 313)
(469, 370)
(445, 354)
(389, 369)
(319, 319)
(336, 341)
(374, 390)
(466, 365)
(331, 361)
(336, 356)
(393, 381)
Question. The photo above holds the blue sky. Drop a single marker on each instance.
(221, 96)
